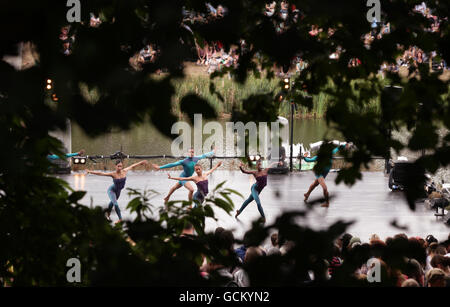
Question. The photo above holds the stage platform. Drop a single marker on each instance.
(370, 203)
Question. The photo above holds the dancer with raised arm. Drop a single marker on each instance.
(188, 165)
(261, 181)
(201, 180)
(320, 178)
(119, 178)
(67, 155)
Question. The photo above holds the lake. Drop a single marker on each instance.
(145, 139)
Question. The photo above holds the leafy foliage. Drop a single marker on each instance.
(42, 224)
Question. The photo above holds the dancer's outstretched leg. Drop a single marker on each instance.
(116, 207)
(325, 192)
(108, 212)
(188, 186)
(255, 195)
(173, 189)
(246, 202)
(311, 188)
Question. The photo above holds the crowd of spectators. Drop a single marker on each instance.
(94, 21)
(67, 40)
(427, 12)
(283, 15)
(404, 261)
(190, 17)
(214, 57)
(413, 56)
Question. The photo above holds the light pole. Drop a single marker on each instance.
(287, 87)
(291, 150)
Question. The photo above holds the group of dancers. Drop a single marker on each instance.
(190, 166)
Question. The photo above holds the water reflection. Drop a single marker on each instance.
(79, 182)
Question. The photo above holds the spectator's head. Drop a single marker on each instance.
(252, 253)
(218, 231)
(440, 262)
(441, 250)
(431, 239)
(432, 248)
(414, 271)
(421, 241)
(436, 278)
(374, 237)
(344, 241)
(377, 248)
(416, 250)
(274, 239)
(221, 11)
(226, 238)
(388, 240)
(354, 241)
(410, 283)
(401, 236)
(446, 244)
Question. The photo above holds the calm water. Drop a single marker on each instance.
(146, 140)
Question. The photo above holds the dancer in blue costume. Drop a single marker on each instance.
(119, 178)
(68, 155)
(188, 165)
(261, 181)
(201, 180)
(320, 178)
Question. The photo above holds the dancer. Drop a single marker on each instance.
(261, 181)
(201, 180)
(68, 155)
(320, 178)
(188, 169)
(119, 178)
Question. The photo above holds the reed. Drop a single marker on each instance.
(234, 93)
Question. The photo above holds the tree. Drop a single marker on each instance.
(41, 223)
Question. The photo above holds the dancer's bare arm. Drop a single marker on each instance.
(266, 170)
(241, 167)
(207, 173)
(110, 174)
(144, 162)
(192, 178)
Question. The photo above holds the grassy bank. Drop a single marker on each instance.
(234, 93)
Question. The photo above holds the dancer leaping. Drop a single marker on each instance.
(119, 178)
(320, 178)
(188, 169)
(201, 180)
(261, 181)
